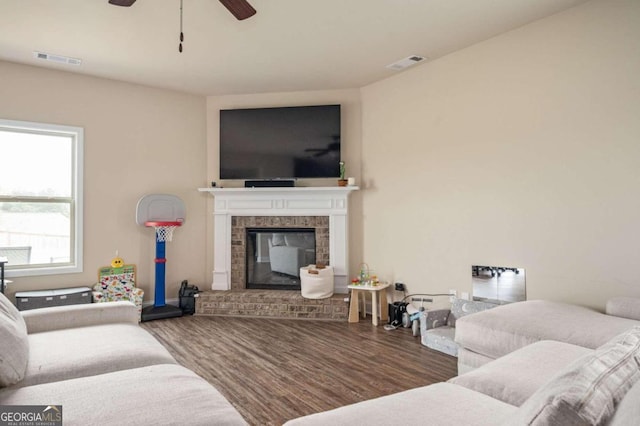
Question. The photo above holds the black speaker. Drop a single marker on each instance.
(187, 295)
(269, 183)
(396, 311)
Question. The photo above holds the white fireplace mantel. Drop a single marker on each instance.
(297, 201)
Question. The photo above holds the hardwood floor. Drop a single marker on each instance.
(274, 370)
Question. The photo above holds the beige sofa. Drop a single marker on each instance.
(493, 333)
(543, 382)
(104, 369)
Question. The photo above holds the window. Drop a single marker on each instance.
(40, 198)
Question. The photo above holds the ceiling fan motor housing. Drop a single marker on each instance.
(241, 9)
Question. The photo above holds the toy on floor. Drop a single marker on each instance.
(118, 282)
(164, 213)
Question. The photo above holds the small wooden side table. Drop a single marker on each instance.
(378, 290)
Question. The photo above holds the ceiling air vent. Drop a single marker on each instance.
(406, 62)
(57, 58)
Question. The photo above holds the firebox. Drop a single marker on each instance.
(274, 256)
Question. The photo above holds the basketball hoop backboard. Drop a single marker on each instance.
(160, 208)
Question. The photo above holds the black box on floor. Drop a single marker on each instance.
(187, 296)
(26, 300)
(396, 310)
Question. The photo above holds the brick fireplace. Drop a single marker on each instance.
(322, 208)
(239, 225)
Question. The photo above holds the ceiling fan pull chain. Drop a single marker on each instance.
(181, 33)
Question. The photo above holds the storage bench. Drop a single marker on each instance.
(26, 300)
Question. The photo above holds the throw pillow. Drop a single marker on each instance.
(14, 349)
(588, 392)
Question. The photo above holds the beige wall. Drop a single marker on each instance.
(519, 151)
(138, 140)
(350, 145)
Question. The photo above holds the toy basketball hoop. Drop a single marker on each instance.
(164, 230)
(165, 213)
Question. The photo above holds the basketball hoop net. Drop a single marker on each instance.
(164, 230)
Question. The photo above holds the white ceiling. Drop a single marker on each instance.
(289, 45)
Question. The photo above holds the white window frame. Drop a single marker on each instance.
(77, 135)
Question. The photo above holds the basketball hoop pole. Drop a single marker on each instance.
(163, 212)
(159, 310)
(159, 299)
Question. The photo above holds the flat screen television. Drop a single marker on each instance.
(280, 143)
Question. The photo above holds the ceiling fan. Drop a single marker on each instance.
(241, 9)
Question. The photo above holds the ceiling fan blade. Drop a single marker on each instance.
(241, 9)
(125, 3)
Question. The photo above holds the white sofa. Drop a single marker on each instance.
(542, 383)
(98, 363)
(493, 333)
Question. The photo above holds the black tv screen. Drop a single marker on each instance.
(280, 143)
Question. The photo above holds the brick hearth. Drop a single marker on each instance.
(271, 303)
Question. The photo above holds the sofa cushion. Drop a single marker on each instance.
(441, 339)
(628, 411)
(451, 405)
(433, 319)
(14, 345)
(625, 307)
(513, 378)
(497, 332)
(153, 395)
(71, 316)
(9, 311)
(469, 360)
(87, 351)
(588, 392)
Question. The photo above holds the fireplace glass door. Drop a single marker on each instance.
(274, 256)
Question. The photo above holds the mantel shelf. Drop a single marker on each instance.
(285, 190)
(328, 201)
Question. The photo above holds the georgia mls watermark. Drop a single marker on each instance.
(30, 415)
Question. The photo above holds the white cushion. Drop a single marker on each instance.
(443, 404)
(628, 411)
(588, 392)
(518, 375)
(496, 332)
(96, 350)
(14, 345)
(625, 307)
(70, 316)
(469, 360)
(154, 395)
